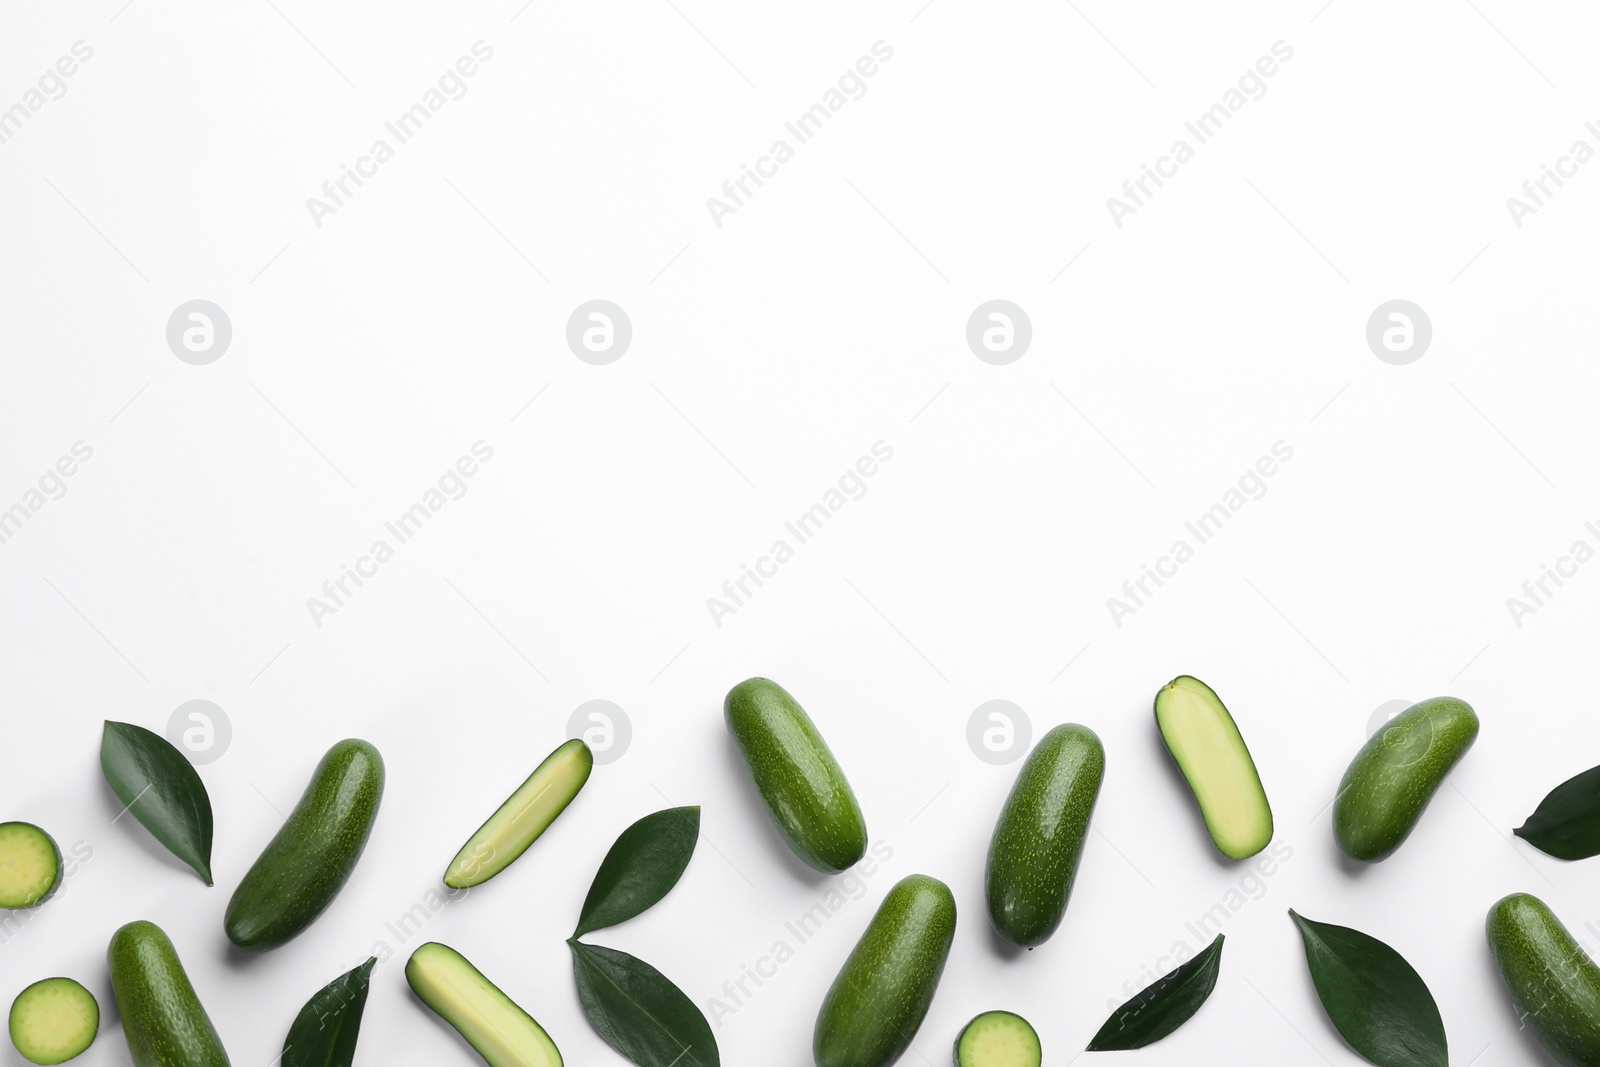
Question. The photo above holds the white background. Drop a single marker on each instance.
(768, 354)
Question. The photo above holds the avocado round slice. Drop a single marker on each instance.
(54, 1020)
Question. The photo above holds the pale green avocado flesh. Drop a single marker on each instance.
(998, 1039)
(524, 816)
(1209, 750)
(502, 1033)
(30, 865)
(54, 1020)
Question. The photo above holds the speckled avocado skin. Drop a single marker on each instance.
(307, 863)
(1396, 773)
(1554, 985)
(162, 1018)
(873, 1009)
(800, 782)
(1033, 856)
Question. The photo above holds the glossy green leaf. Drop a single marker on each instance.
(641, 868)
(160, 787)
(1374, 998)
(638, 1012)
(324, 1033)
(1163, 1006)
(1566, 823)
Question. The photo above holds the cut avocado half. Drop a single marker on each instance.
(54, 1020)
(998, 1039)
(525, 815)
(1207, 746)
(30, 865)
(492, 1023)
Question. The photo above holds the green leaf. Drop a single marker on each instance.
(1567, 822)
(324, 1033)
(161, 788)
(1374, 998)
(641, 868)
(638, 1012)
(1162, 1006)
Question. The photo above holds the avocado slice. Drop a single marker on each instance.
(1205, 743)
(998, 1039)
(30, 865)
(54, 1020)
(502, 1033)
(525, 815)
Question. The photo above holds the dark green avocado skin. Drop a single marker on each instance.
(883, 991)
(1396, 773)
(1038, 840)
(308, 862)
(1554, 985)
(161, 1017)
(801, 784)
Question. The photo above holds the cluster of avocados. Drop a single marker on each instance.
(294, 880)
(883, 991)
